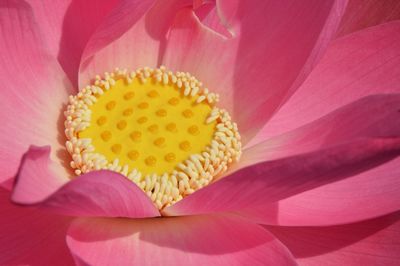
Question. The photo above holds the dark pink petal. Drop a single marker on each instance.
(196, 240)
(34, 89)
(131, 37)
(67, 26)
(98, 193)
(273, 48)
(373, 242)
(361, 64)
(361, 14)
(269, 182)
(30, 236)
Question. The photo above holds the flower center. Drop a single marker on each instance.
(160, 129)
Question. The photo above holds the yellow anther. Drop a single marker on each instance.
(187, 113)
(173, 101)
(185, 146)
(121, 125)
(171, 127)
(135, 135)
(159, 142)
(106, 135)
(142, 120)
(128, 112)
(111, 105)
(170, 157)
(153, 128)
(194, 130)
(101, 120)
(116, 148)
(150, 161)
(153, 94)
(161, 112)
(133, 155)
(129, 95)
(143, 105)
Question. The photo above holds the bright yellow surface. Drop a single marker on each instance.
(150, 127)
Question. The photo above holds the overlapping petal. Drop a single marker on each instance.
(361, 14)
(274, 46)
(34, 89)
(98, 193)
(67, 26)
(30, 236)
(269, 182)
(131, 37)
(196, 240)
(373, 242)
(345, 74)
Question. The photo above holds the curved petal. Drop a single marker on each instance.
(368, 117)
(131, 37)
(361, 64)
(30, 236)
(34, 89)
(67, 26)
(202, 240)
(274, 46)
(98, 193)
(364, 196)
(361, 14)
(373, 242)
(268, 182)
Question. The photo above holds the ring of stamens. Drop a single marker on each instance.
(160, 129)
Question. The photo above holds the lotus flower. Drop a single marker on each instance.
(318, 180)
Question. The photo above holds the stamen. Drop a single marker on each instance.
(160, 129)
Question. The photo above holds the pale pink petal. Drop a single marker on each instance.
(259, 185)
(67, 25)
(273, 48)
(34, 89)
(361, 64)
(30, 236)
(373, 242)
(131, 37)
(98, 193)
(361, 14)
(196, 240)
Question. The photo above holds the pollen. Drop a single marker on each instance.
(162, 130)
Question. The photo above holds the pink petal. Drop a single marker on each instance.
(261, 65)
(208, 15)
(371, 116)
(98, 193)
(356, 198)
(364, 196)
(361, 14)
(30, 236)
(67, 25)
(373, 242)
(202, 240)
(129, 38)
(34, 90)
(268, 182)
(356, 66)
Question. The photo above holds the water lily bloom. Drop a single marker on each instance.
(198, 133)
